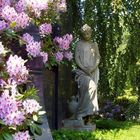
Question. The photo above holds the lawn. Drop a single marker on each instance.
(106, 130)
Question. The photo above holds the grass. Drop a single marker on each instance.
(106, 130)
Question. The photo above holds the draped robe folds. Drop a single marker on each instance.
(87, 75)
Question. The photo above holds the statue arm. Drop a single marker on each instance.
(95, 45)
(78, 61)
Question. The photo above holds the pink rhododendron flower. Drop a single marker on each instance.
(33, 48)
(9, 110)
(59, 56)
(20, 6)
(61, 5)
(37, 6)
(64, 42)
(22, 20)
(45, 56)
(68, 37)
(27, 38)
(11, 85)
(9, 13)
(22, 136)
(16, 69)
(45, 29)
(4, 3)
(30, 106)
(68, 55)
(3, 25)
(14, 118)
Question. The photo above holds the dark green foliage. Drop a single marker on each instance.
(7, 136)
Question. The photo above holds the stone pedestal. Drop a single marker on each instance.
(78, 125)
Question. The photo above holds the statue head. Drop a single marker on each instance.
(86, 32)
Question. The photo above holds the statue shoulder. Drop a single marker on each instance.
(79, 45)
(95, 44)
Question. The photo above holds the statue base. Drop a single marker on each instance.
(78, 125)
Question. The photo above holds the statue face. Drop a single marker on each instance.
(86, 32)
(87, 35)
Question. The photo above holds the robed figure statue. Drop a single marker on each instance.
(87, 58)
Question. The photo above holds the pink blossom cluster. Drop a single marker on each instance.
(33, 47)
(20, 6)
(45, 29)
(4, 3)
(27, 38)
(9, 110)
(61, 5)
(12, 85)
(16, 69)
(59, 56)
(64, 42)
(45, 56)
(34, 6)
(68, 55)
(10, 15)
(22, 136)
(30, 106)
(37, 5)
(3, 25)
(22, 20)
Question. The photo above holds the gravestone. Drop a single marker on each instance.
(37, 81)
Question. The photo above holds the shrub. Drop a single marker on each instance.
(130, 105)
(109, 110)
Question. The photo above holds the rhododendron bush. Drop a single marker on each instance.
(20, 113)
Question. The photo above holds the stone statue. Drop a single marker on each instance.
(85, 104)
(87, 58)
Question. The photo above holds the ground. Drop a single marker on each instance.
(107, 130)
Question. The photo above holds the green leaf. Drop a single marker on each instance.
(35, 129)
(13, 24)
(1, 122)
(41, 112)
(7, 136)
(35, 117)
(12, 127)
(1, 137)
(32, 129)
(31, 92)
(19, 97)
(38, 130)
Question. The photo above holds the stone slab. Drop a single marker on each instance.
(78, 125)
